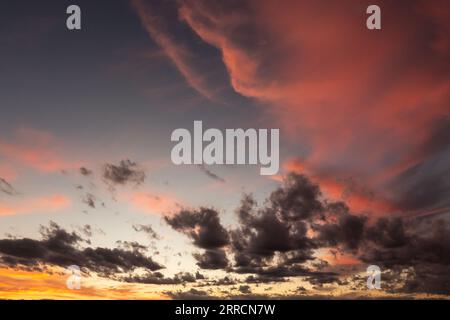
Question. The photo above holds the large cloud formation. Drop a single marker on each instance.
(204, 228)
(282, 238)
(59, 247)
(359, 103)
(289, 236)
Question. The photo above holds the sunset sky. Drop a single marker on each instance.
(86, 176)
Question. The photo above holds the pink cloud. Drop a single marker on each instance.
(362, 103)
(335, 186)
(7, 172)
(37, 149)
(159, 204)
(46, 204)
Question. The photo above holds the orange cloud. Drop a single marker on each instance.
(45, 204)
(339, 258)
(154, 204)
(7, 172)
(358, 101)
(30, 285)
(37, 149)
(357, 198)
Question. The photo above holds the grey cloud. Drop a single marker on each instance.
(126, 172)
(7, 188)
(211, 174)
(90, 200)
(272, 242)
(148, 229)
(62, 248)
(192, 294)
(202, 226)
(159, 278)
(85, 171)
(212, 259)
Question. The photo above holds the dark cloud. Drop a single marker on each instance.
(225, 281)
(278, 230)
(212, 259)
(298, 198)
(87, 230)
(229, 281)
(271, 242)
(245, 289)
(393, 242)
(439, 137)
(263, 279)
(147, 229)
(348, 231)
(301, 289)
(132, 245)
(90, 200)
(7, 188)
(277, 272)
(62, 248)
(428, 278)
(199, 276)
(192, 294)
(423, 186)
(202, 226)
(126, 172)
(280, 239)
(426, 184)
(211, 174)
(262, 234)
(388, 233)
(85, 171)
(159, 278)
(423, 250)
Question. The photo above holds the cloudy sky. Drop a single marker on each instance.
(86, 177)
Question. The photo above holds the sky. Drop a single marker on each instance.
(86, 176)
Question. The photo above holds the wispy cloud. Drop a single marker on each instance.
(7, 188)
(153, 203)
(37, 149)
(211, 174)
(180, 55)
(45, 204)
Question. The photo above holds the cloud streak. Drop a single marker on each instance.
(51, 203)
(37, 149)
(7, 188)
(178, 54)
